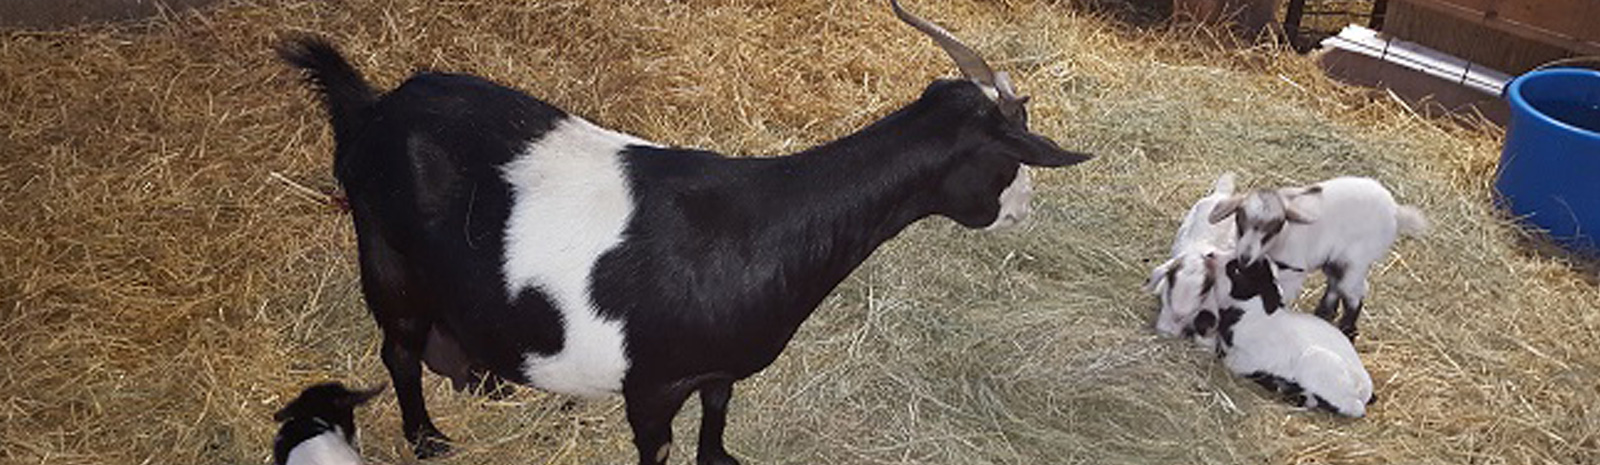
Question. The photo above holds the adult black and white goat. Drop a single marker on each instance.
(501, 236)
(319, 426)
(1301, 357)
(1341, 226)
(1185, 281)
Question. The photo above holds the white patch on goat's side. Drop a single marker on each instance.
(1014, 207)
(571, 203)
(324, 449)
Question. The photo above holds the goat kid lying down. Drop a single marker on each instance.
(319, 426)
(1185, 281)
(1340, 226)
(1299, 356)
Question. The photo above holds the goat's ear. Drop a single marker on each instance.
(1298, 203)
(1297, 215)
(289, 411)
(353, 399)
(1217, 258)
(1036, 150)
(1156, 276)
(1225, 208)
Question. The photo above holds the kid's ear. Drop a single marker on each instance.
(356, 398)
(1157, 274)
(1225, 208)
(1297, 203)
(287, 412)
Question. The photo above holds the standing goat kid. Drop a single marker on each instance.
(1341, 226)
(501, 238)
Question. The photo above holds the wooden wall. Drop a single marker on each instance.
(1518, 36)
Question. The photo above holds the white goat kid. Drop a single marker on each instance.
(1341, 226)
(1301, 357)
(1184, 281)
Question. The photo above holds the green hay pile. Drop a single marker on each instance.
(166, 283)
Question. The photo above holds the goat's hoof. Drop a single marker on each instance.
(1350, 333)
(430, 445)
(714, 458)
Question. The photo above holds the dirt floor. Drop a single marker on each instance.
(170, 275)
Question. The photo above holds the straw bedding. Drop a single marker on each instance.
(169, 275)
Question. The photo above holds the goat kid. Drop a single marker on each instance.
(501, 238)
(319, 426)
(1300, 357)
(1185, 281)
(1340, 226)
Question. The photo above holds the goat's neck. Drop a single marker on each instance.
(853, 194)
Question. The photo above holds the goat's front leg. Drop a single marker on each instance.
(650, 412)
(714, 397)
(1329, 305)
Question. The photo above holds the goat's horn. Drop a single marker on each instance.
(972, 66)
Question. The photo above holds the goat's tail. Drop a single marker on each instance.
(1410, 220)
(1224, 184)
(343, 89)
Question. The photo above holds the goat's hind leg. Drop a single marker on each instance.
(650, 413)
(1289, 391)
(402, 355)
(1353, 292)
(384, 280)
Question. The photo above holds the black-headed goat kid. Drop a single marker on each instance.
(1301, 357)
(501, 238)
(319, 426)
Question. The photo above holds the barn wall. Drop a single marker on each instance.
(1468, 39)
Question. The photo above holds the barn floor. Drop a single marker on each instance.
(169, 277)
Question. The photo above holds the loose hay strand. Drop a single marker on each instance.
(162, 292)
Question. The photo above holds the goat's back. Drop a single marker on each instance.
(1355, 220)
(1306, 350)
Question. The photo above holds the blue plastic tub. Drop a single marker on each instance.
(1550, 166)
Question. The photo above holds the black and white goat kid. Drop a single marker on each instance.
(1340, 226)
(1301, 357)
(319, 426)
(1185, 281)
(501, 238)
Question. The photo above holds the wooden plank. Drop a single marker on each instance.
(1468, 39)
(1592, 11)
(1569, 24)
(1560, 17)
